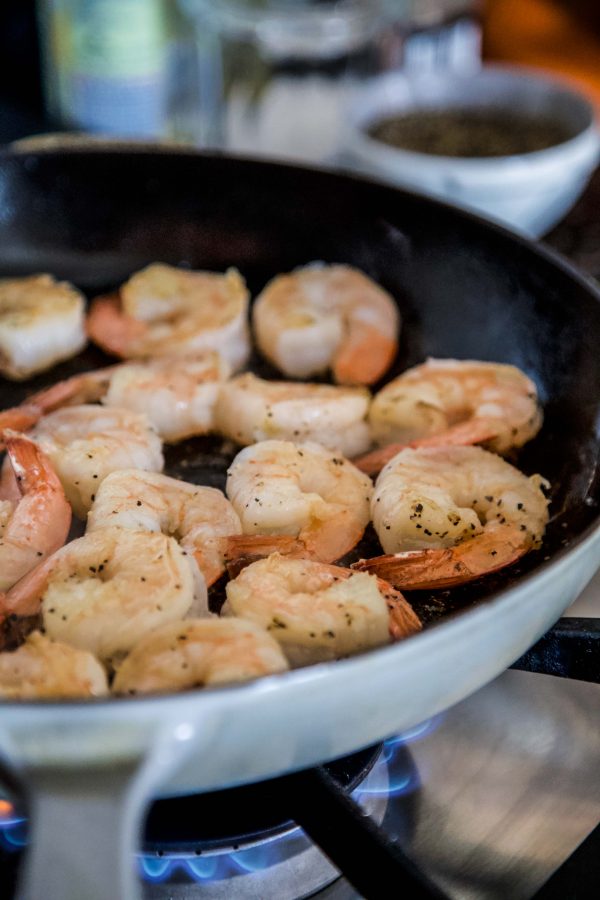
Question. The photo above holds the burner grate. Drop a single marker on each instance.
(571, 649)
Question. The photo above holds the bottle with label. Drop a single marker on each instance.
(109, 65)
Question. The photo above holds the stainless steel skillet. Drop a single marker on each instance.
(466, 289)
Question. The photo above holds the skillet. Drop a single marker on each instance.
(466, 289)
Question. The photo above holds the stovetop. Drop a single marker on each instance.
(496, 794)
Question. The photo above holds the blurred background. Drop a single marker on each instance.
(341, 83)
(193, 70)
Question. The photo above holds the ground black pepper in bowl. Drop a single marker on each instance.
(469, 133)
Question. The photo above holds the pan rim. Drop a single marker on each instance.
(467, 619)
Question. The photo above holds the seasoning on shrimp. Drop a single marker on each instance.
(318, 612)
(449, 401)
(86, 443)
(324, 317)
(250, 409)
(45, 669)
(41, 323)
(446, 515)
(199, 517)
(198, 653)
(164, 310)
(34, 513)
(103, 591)
(298, 499)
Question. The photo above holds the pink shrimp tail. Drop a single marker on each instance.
(242, 550)
(209, 567)
(473, 431)
(327, 540)
(43, 516)
(324, 541)
(403, 619)
(20, 418)
(445, 568)
(32, 468)
(365, 355)
(112, 329)
(85, 388)
(24, 598)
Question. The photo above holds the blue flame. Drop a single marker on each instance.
(13, 834)
(255, 859)
(219, 866)
(202, 868)
(155, 868)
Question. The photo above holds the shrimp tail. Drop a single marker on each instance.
(324, 540)
(32, 468)
(20, 418)
(364, 356)
(112, 329)
(241, 550)
(210, 568)
(464, 434)
(431, 569)
(42, 518)
(403, 619)
(85, 388)
(327, 540)
(24, 598)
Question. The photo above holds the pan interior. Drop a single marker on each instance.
(465, 290)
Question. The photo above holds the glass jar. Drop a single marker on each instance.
(274, 75)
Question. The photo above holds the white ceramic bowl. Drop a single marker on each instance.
(530, 192)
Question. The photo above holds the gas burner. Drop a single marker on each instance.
(241, 817)
(242, 843)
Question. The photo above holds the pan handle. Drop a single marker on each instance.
(86, 812)
(84, 831)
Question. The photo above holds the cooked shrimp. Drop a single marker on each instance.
(103, 591)
(86, 443)
(164, 310)
(477, 511)
(298, 499)
(41, 323)
(34, 519)
(198, 653)
(198, 517)
(177, 393)
(250, 409)
(327, 317)
(453, 401)
(317, 612)
(43, 668)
